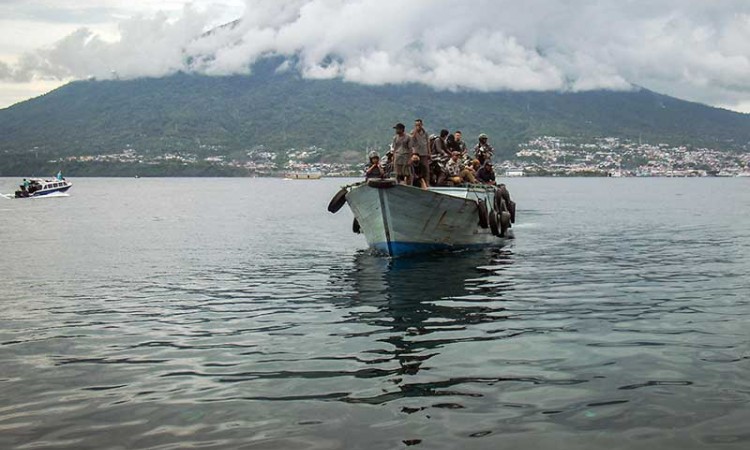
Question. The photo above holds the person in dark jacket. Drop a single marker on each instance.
(419, 144)
(458, 144)
(486, 174)
(419, 174)
(440, 145)
(388, 166)
(483, 150)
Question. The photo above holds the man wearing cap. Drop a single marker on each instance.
(401, 154)
(483, 150)
(388, 167)
(374, 169)
(419, 144)
(486, 174)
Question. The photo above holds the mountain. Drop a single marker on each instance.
(229, 115)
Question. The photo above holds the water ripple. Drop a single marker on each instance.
(623, 328)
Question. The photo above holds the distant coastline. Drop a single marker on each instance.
(548, 156)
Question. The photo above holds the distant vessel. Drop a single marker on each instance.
(303, 175)
(398, 220)
(39, 187)
(514, 172)
(743, 174)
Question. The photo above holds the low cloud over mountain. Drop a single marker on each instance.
(696, 50)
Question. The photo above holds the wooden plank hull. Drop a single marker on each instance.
(400, 220)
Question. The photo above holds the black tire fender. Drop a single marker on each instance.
(483, 216)
(355, 226)
(501, 193)
(499, 200)
(504, 222)
(381, 184)
(494, 224)
(338, 201)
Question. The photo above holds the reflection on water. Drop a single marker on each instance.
(419, 305)
(423, 278)
(153, 325)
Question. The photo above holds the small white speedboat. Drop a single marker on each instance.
(39, 187)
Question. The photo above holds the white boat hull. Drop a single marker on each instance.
(46, 189)
(399, 220)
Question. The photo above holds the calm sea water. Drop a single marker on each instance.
(238, 313)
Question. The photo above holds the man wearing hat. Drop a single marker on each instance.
(374, 169)
(483, 150)
(401, 154)
(486, 174)
(388, 166)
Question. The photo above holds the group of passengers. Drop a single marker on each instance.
(420, 160)
(28, 187)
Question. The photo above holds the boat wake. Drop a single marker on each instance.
(52, 195)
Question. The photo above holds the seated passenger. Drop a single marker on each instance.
(456, 173)
(475, 165)
(468, 174)
(486, 174)
(419, 175)
(374, 170)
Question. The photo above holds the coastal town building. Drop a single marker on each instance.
(541, 156)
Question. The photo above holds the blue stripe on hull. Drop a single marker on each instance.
(412, 248)
(50, 191)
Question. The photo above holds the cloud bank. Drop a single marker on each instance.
(698, 50)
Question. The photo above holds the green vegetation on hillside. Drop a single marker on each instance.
(228, 115)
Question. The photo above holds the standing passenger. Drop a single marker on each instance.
(483, 150)
(401, 154)
(450, 143)
(388, 166)
(420, 145)
(459, 145)
(440, 146)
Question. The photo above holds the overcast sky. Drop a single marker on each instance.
(692, 49)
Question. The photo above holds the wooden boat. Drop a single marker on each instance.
(398, 220)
